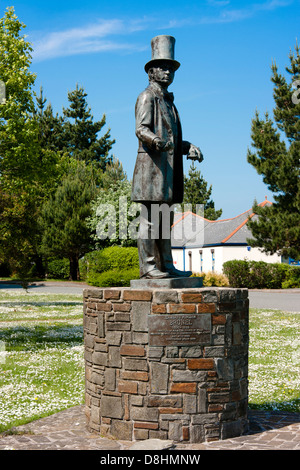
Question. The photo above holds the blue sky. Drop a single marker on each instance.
(225, 49)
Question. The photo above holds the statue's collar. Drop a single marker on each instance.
(158, 90)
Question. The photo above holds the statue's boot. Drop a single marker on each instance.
(167, 260)
(148, 267)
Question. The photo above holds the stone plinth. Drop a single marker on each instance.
(166, 363)
(167, 283)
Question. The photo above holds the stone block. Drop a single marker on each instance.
(165, 401)
(189, 297)
(113, 294)
(197, 433)
(140, 376)
(114, 357)
(214, 351)
(159, 377)
(202, 401)
(142, 413)
(127, 386)
(111, 407)
(180, 387)
(188, 376)
(124, 307)
(135, 364)
(121, 430)
(134, 295)
(140, 312)
(205, 418)
(165, 296)
(99, 358)
(175, 431)
(113, 338)
(132, 350)
(191, 351)
(145, 425)
(200, 364)
(231, 429)
(101, 329)
(189, 404)
(118, 326)
(158, 308)
(181, 308)
(206, 308)
(155, 352)
(110, 379)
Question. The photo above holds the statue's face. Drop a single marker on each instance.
(163, 74)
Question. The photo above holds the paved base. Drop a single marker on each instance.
(67, 431)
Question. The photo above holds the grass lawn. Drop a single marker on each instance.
(42, 365)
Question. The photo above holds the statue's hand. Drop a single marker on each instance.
(195, 153)
(162, 145)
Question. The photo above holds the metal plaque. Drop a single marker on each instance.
(179, 330)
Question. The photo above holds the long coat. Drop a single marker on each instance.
(158, 175)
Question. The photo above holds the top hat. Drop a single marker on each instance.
(162, 50)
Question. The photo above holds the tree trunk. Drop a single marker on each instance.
(74, 268)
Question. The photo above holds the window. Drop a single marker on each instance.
(212, 259)
(190, 260)
(201, 260)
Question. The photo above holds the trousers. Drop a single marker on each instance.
(154, 238)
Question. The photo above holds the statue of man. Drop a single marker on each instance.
(158, 173)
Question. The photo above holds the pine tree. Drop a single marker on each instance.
(81, 132)
(196, 192)
(50, 126)
(64, 218)
(276, 156)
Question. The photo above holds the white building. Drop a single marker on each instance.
(202, 245)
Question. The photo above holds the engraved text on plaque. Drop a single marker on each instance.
(179, 330)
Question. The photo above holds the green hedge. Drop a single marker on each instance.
(113, 277)
(112, 266)
(261, 275)
(58, 269)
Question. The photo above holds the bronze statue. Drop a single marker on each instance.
(158, 173)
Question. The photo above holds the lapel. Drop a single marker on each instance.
(163, 105)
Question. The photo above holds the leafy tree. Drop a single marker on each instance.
(63, 218)
(21, 169)
(81, 132)
(196, 192)
(114, 216)
(276, 156)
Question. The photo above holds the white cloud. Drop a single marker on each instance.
(88, 39)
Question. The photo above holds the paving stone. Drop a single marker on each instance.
(152, 444)
(269, 430)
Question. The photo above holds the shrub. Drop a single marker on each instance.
(213, 279)
(261, 275)
(237, 272)
(58, 269)
(113, 277)
(293, 278)
(112, 258)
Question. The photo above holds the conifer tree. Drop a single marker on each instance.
(276, 156)
(64, 217)
(81, 138)
(196, 192)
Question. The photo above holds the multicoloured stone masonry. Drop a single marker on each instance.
(166, 363)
